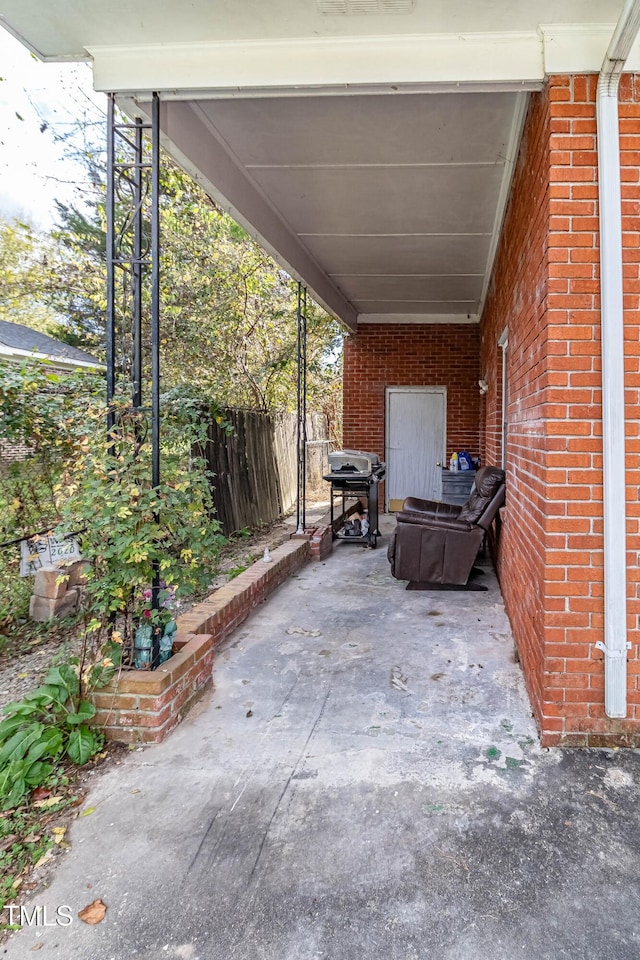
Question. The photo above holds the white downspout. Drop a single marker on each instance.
(615, 644)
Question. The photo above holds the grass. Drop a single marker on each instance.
(30, 831)
(27, 834)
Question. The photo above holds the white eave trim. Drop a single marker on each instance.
(580, 48)
(468, 318)
(509, 57)
(505, 60)
(13, 353)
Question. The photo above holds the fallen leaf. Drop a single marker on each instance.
(303, 633)
(49, 802)
(135, 791)
(6, 843)
(17, 883)
(58, 834)
(32, 838)
(89, 810)
(46, 859)
(94, 912)
(22, 676)
(37, 946)
(40, 793)
(249, 713)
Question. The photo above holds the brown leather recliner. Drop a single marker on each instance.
(437, 543)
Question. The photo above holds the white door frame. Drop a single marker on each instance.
(387, 405)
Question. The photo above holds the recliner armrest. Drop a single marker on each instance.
(430, 508)
(435, 522)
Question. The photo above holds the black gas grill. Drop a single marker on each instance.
(355, 474)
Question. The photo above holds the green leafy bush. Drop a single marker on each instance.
(51, 723)
(43, 414)
(132, 529)
(77, 479)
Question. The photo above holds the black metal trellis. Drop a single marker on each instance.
(133, 276)
(302, 407)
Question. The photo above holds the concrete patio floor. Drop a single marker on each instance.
(364, 782)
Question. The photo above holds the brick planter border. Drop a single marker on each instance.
(144, 706)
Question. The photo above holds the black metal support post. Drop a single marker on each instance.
(136, 266)
(302, 407)
(155, 337)
(133, 277)
(110, 317)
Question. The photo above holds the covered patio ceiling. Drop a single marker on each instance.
(387, 206)
(367, 144)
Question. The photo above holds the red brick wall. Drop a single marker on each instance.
(574, 703)
(517, 299)
(410, 355)
(546, 290)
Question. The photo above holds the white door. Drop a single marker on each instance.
(416, 423)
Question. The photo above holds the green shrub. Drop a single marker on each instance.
(51, 723)
(77, 479)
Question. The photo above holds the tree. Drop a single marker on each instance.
(228, 310)
(24, 259)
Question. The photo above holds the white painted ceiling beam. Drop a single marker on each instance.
(505, 60)
(391, 235)
(580, 48)
(508, 57)
(418, 318)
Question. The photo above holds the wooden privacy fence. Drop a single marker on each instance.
(254, 469)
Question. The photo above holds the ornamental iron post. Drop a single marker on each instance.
(155, 340)
(133, 278)
(302, 407)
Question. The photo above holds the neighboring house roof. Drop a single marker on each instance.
(18, 341)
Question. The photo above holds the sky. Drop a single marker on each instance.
(39, 103)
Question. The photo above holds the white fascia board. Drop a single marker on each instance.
(13, 353)
(418, 318)
(580, 48)
(194, 143)
(509, 57)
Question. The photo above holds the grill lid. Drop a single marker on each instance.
(356, 460)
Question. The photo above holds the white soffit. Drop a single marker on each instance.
(68, 29)
(385, 206)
